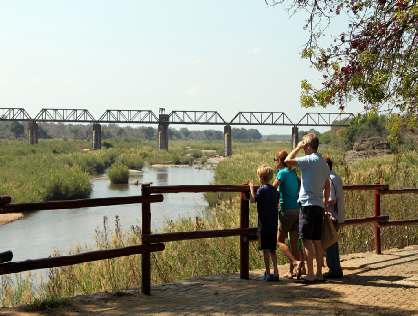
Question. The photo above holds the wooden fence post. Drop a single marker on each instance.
(146, 230)
(377, 241)
(244, 242)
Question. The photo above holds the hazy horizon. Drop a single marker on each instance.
(185, 55)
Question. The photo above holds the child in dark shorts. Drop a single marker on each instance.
(267, 199)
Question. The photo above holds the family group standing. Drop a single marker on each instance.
(295, 209)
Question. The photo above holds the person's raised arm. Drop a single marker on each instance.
(276, 183)
(290, 159)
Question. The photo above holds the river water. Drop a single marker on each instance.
(39, 233)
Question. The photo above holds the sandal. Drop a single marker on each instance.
(272, 278)
(298, 270)
(307, 281)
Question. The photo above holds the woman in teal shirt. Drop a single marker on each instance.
(287, 183)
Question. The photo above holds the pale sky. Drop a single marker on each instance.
(223, 55)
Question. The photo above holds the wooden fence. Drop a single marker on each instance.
(155, 242)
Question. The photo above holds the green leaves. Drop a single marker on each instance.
(375, 59)
(307, 101)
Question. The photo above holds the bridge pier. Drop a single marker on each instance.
(163, 123)
(228, 140)
(32, 132)
(96, 141)
(295, 136)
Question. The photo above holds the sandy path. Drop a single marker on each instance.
(374, 285)
(8, 218)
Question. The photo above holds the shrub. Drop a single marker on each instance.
(92, 163)
(131, 160)
(107, 145)
(118, 174)
(67, 184)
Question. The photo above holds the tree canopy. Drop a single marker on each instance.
(375, 59)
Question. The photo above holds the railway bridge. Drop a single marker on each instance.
(164, 120)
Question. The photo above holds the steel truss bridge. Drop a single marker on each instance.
(175, 117)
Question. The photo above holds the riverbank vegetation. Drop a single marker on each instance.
(61, 169)
(216, 256)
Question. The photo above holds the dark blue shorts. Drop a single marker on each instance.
(268, 240)
(310, 222)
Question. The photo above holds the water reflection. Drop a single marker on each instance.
(119, 187)
(162, 176)
(38, 234)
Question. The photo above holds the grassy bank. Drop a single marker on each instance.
(41, 173)
(215, 256)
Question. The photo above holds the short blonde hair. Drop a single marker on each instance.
(312, 140)
(265, 173)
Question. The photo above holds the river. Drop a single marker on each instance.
(39, 233)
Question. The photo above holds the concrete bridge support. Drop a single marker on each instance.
(295, 136)
(228, 140)
(96, 141)
(163, 131)
(33, 132)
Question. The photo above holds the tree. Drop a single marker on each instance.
(17, 129)
(185, 132)
(149, 133)
(375, 59)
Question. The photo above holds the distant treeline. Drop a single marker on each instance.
(397, 132)
(78, 131)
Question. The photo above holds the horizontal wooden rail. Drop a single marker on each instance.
(244, 188)
(365, 220)
(69, 204)
(400, 191)
(365, 187)
(5, 199)
(250, 232)
(198, 188)
(404, 222)
(51, 262)
(200, 234)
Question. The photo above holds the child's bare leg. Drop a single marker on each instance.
(266, 254)
(294, 245)
(274, 260)
(285, 249)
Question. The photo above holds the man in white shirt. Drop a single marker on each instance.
(313, 197)
(336, 208)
